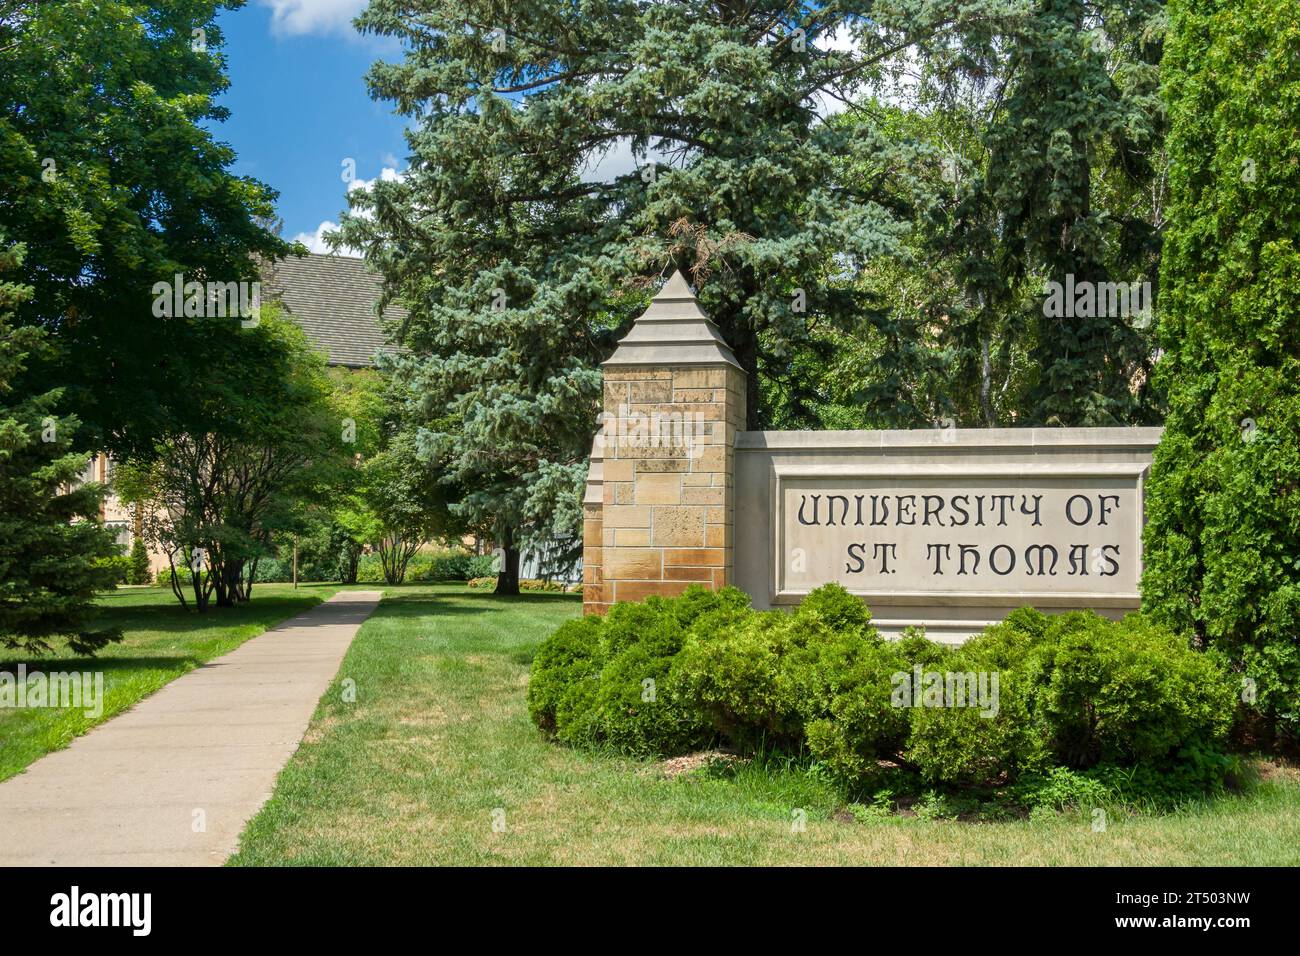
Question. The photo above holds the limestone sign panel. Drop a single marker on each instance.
(1020, 534)
(942, 530)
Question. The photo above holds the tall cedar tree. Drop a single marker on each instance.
(1222, 542)
(113, 184)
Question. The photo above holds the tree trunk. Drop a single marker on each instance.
(348, 566)
(508, 576)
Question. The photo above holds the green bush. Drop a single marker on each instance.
(963, 746)
(182, 574)
(139, 558)
(608, 680)
(117, 568)
(525, 584)
(566, 666)
(732, 676)
(1126, 704)
(1125, 692)
(636, 709)
(370, 569)
(273, 571)
(1076, 690)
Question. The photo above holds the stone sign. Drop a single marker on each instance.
(948, 529)
(933, 534)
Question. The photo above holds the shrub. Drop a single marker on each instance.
(1061, 788)
(609, 680)
(525, 584)
(370, 569)
(139, 573)
(1078, 690)
(1126, 705)
(273, 571)
(730, 674)
(117, 568)
(1222, 538)
(569, 657)
(1124, 692)
(182, 574)
(636, 709)
(859, 726)
(963, 746)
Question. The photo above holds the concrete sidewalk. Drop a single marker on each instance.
(207, 746)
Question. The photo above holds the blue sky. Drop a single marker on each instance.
(299, 106)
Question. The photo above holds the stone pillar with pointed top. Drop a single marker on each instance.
(665, 481)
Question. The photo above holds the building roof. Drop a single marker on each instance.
(333, 299)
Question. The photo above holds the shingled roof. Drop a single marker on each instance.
(333, 299)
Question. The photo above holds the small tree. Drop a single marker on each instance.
(406, 504)
(50, 535)
(139, 573)
(1222, 542)
(274, 444)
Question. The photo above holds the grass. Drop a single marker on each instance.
(161, 641)
(438, 746)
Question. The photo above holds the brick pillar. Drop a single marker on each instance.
(674, 399)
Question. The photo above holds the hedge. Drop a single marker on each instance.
(1026, 701)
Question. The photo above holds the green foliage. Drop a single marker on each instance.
(772, 210)
(1126, 692)
(1076, 690)
(139, 571)
(609, 681)
(1222, 540)
(735, 679)
(1124, 706)
(216, 500)
(54, 554)
(525, 584)
(1061, 788)
(115, 180)
(565, 668)
(117, 567)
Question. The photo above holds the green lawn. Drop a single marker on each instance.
(161, 641)
(438, 744)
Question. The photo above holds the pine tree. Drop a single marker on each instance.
(1222, 542)
(50, 538)
(520, 265)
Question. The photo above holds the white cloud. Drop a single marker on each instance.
(317, 241)
(618, 160)
(301, 17)
(388, 174)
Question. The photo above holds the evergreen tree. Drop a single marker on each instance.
(1067, 196)
(520, 263)
(139, 573)
(1222, 542)
(50, 536)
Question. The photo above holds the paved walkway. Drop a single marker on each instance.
(126, 794)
